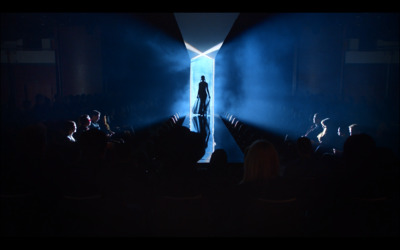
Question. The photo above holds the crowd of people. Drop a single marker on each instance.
(82, 177)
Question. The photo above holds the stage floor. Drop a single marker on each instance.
(218, 137)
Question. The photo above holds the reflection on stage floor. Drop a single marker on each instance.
(216, 136)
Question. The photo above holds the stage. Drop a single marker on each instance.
(217, 137)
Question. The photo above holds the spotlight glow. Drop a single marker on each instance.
(202, 65)
(215, 48)
(191, 48)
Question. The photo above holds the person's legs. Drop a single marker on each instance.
(202, 106)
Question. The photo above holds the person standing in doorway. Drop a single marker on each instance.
(203, 93)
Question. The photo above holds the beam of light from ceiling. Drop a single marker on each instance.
(199, 53)
(204, 30)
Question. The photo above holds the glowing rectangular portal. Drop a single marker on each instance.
(202, 66)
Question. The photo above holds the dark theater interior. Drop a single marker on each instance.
(200, 124)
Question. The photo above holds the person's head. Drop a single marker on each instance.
(95, 115)
(180, 149)
(304, 146)
(359, 150)
(219, 158)
(70, 127)
(341, 132)
(316, 118)
(354, 129)
(202, 78)
(84, 120)
(261, 162)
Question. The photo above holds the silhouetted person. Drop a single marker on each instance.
(342, 134)
(203, 93)
(261, 172)
(81, 178)
(179, 149)
(360, 155)
(83, 126)
(315, 129)
(219, 181)
(328, 139)
(305, 163)
(63, 148)
(354, 129)
(69, 128)
(260, 180)
(95, 118)
(219, 176)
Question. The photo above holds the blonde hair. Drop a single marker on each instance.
(353, 129)
(261, 162)
(322, 134)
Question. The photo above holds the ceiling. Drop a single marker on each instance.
(203, 31)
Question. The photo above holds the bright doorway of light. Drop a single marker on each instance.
(202, 65)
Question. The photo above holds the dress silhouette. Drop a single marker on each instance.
(202, 94)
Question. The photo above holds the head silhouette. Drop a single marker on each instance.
(261, 162)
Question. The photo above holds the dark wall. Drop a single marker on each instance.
(127, 57)
(146, 64)
(289, 66)
(79, 60)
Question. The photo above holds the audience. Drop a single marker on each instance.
(328, 139)
(58, 159)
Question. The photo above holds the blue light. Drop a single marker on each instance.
(202, 65)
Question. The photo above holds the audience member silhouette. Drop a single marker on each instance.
(81, 179)
(360, 155)
(70, 129)
(354, 129)
(63, 149)
(219, 174)
(360, 169)
(83, 126)
(342, 133)
(315, 129)
(219, 182)
(261, 162)
(305, 165)
(219, 159)
(107, 126)
(261, 170)
(179, 150)
(95, 116)
(361, 184)
(261, 181)
(328, 139)
(36, 163)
